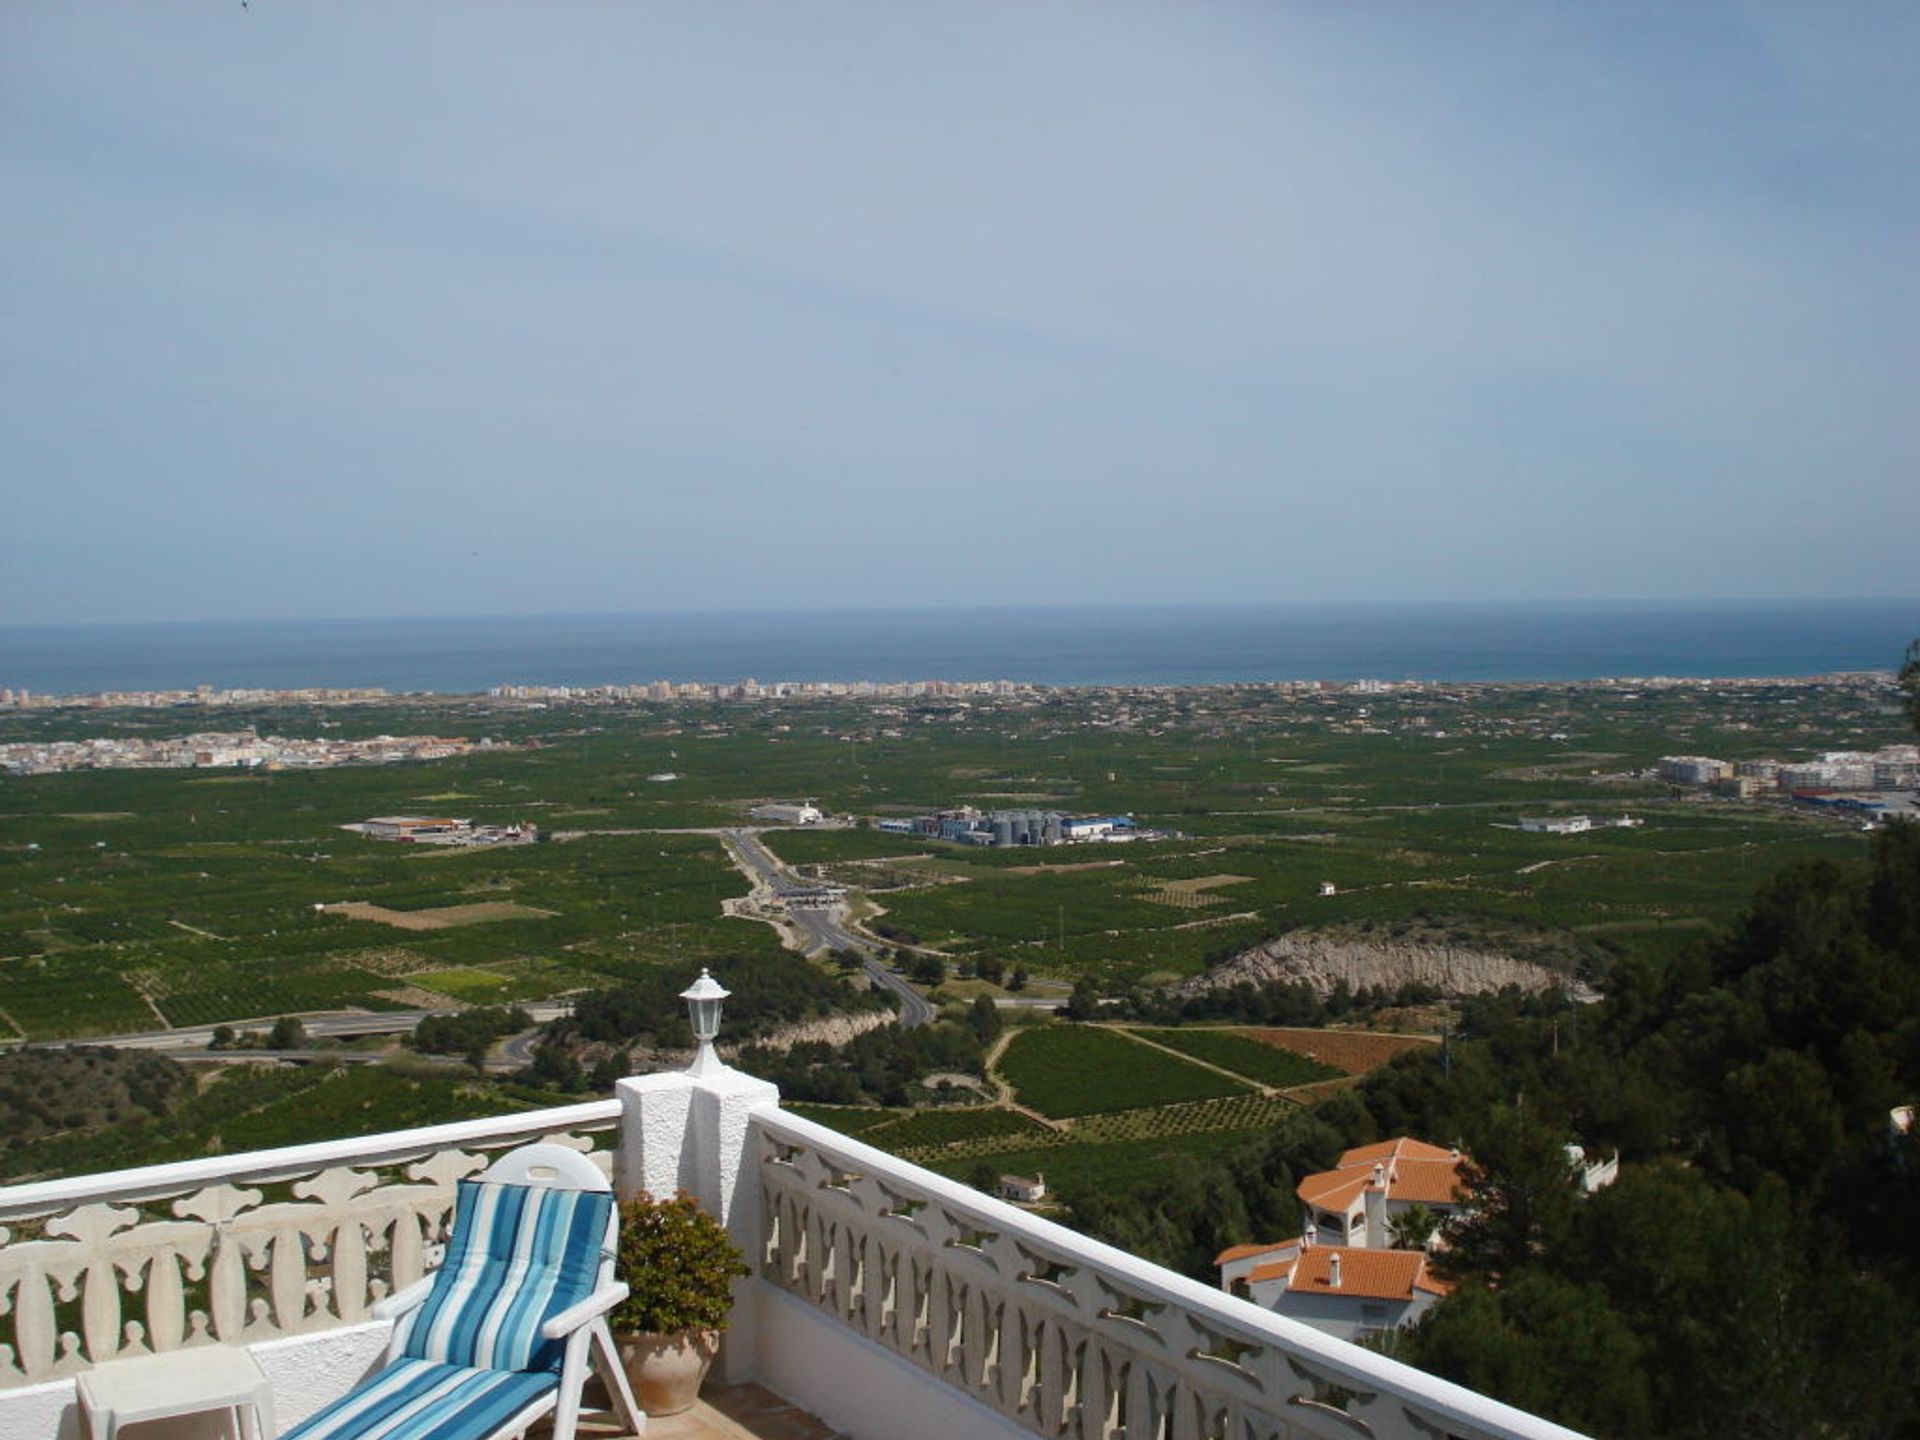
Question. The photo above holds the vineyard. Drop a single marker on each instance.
(1233, 1050)
(1234, 1112)
(940, 1128)
(1069, 1070)
(1353, 1051)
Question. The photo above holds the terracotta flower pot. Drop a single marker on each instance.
(666, 1370)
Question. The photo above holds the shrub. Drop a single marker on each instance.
(680, 1265)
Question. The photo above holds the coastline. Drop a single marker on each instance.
(1040, 646)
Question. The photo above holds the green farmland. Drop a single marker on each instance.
(1064, 1071)
(1267, 1064)
(135, 900)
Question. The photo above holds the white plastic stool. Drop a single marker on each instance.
(178, 1382)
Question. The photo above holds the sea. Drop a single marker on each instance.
(1108, 645)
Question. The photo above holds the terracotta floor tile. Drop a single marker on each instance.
(738, 1412)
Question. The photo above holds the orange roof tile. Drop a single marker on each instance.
(1274, 1270)
(1416, 1172)
(1402, 1148)
(1241, 1252)
(1330, 1189)
(1367, 1274)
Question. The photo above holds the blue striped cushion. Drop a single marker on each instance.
(419, 1400)
(518, 1254)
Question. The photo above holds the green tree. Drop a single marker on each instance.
(1910, 683)
(984, 1019)
(1545, 1344)
(610, 1070)
(1413, 1227)
(554, 1068)
(1084, 1002)
(287, 1034)
(1521, 1189)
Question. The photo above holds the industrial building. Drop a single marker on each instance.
(1002, 828)
(781, 814)
(1556, 824)
(410, 828)
(1693, 769)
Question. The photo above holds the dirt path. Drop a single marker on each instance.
(195, 930)
(1557, 860)
(1181, 1055)
(990, 1067)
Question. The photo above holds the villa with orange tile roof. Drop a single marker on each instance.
(1355, 1203)
(1341, 1290)
(1342, 1275)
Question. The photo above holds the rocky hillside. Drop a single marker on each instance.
(1324, 959)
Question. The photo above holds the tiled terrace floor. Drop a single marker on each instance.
(737, 1412)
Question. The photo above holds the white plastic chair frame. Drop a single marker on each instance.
(582, 1326)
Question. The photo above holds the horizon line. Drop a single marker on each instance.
(1556, 603)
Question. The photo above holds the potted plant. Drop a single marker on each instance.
(680, 1266)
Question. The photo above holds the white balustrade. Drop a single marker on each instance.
(239, 1248)
(1062, 1335)
(1066, 1338)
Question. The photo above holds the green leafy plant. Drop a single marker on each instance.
(680, 1265)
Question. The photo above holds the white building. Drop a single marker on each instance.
(1341, 1290)
(1023, 1189)
(782, 814)
(1556, 824)
(1693, 769)
(413, 827)
(1357, 1201)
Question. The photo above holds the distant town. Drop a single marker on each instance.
(223, 749)
(1877, 784)
(12, 699)
(669, 691)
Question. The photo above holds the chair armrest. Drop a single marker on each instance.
(394, 1306)
(596, 1304)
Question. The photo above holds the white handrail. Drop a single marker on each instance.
(45, 1196)
(1354, 1367)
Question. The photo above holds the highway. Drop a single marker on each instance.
(824, 929)
(335, 1025)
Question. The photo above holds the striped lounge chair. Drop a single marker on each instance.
(503, 1332)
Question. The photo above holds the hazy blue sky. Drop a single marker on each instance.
(361, 309)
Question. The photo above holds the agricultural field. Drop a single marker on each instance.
(132, 900)
(249, 1107)
(1244, 1056)
(946, 1129)
(1244, 1112)
(233, 902)
(1106, 1167)
(1350, 1052)
(847, 1119)
(1070, 1070)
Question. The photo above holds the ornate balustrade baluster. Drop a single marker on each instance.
(348, 1235)
(1062, 1339)
(92, 1226)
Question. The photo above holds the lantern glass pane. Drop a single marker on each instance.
(706, 1019)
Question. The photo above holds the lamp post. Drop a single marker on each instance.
(704, 998)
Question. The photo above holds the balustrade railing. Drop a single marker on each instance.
(1062, 1335)
(239, 1248)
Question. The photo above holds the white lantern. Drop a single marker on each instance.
(704, 998)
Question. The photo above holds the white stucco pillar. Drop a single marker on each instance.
(685, 1132)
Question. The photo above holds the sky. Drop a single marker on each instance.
(365, 309)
